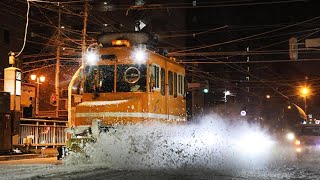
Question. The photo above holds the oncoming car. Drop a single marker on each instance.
(306, 141)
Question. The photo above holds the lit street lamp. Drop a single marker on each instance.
(227, 93)
(39, 80)
(304, 92)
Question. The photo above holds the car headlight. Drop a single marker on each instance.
(290, 136)
(298, 149)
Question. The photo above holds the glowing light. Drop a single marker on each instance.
(254, 143)
(268, 96)
(298, 149)
(42, 78)
(139, 56)
(297, 142)
(304, 91)
(289, 107)
(205, 90)
(92, 57)
(33, 77)
(227, 93)
(243, 113)
(290, 136)
(120, 43)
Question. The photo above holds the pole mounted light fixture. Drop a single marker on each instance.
(38, 80)
(304, 91)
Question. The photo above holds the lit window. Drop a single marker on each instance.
(155, 76)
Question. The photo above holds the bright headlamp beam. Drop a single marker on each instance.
(139, 56)
(290, 136)
(92, 57)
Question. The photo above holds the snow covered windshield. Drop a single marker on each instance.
(130, 78)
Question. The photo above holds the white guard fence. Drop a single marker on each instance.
(42, 132)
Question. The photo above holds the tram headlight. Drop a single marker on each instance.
(92, 57)
(139, 55)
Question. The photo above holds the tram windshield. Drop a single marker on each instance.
(129, 78)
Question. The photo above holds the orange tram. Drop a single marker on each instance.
(128, 83)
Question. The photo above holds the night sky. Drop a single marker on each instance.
(275, 21)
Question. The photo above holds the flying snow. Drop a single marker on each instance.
(210, 143)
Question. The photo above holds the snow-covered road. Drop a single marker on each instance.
(50, 168)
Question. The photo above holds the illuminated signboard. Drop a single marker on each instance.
(18, 83)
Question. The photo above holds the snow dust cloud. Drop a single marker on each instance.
(208, 143)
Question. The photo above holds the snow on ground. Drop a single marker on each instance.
(210, 148)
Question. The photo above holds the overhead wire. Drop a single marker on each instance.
(26, 29)
(160, 6)
(248, 37)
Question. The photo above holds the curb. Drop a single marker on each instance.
(18, 157)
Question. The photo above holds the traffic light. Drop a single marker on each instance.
(205, 88)
(53, 99)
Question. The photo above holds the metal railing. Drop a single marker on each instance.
(62, 114)
(47, 114)
(42, 132)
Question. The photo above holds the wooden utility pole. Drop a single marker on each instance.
(84, 31)
(84, 38)
(57, 80)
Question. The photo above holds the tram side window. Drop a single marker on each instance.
(155, 76)
(183, 85)
(180, 84)
(170, 79)
(175, 85)
(163, 81)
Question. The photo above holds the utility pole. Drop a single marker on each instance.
(84, 36)
(57, 80)
(84, 31)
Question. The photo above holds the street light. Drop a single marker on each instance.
(304, 92)
(227, 93)
(38, 80)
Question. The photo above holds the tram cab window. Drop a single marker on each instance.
(155, 76)
(99, 78)
(170, 83)
(175, 85)
(131, 78)
(163, 81)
